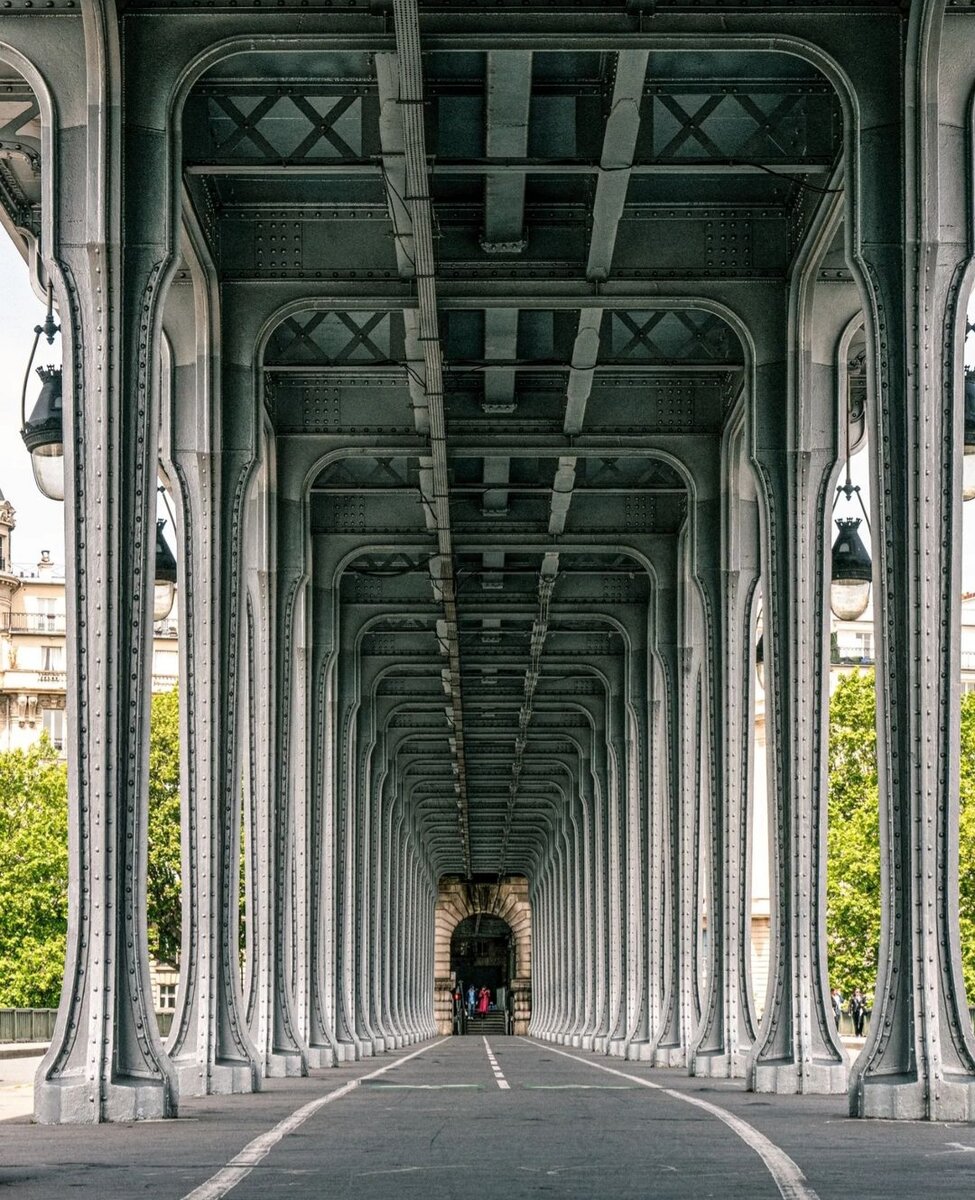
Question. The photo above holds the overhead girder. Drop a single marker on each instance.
(522, 829)
(473, 274)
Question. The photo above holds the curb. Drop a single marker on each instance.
(22, 1049)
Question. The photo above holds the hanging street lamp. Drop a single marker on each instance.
(43, 434)
(164, 591)
(851, 569)
(968, 458)
(849, 591)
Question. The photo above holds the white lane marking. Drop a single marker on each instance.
(499, 1078)
(241, 1165)
(420, 1087)
(788, 1178)
(580, 1087)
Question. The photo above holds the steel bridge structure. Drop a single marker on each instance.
(497, 360)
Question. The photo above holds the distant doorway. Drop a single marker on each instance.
(482, 953)
(482, 937)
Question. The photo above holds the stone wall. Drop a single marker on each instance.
(508, 900)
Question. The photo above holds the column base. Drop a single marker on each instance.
(717, 1064)
(673, 1057)
(785, 1077)
(905, 1098)
(640, 1052)
(345, 1052)
(320, 1056)
(616, 1048)
(224, 1078)
(71, 1103)
(285, 1064)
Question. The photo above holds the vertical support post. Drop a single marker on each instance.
(209, 1042)
(913, 219)
(106, 1061)
(727, 572)
(797, 1049)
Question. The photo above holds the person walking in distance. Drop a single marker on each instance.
(837, 1002)
(858, 1011)
(471, 1000)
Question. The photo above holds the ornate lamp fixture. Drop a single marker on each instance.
(43, 434)
(852, 572)
(849, 592)
(968, 459)
(165, 577)
(760, 659)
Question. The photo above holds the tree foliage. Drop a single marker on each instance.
(966, 844)
(33, 875)
(163, 888)
(34, 861)
(853, 837)
(853, 863)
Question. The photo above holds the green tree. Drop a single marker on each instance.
(853, 837)
(966, 844)
(33, 876)
(163, 887)
(34, 861)
(853, 840)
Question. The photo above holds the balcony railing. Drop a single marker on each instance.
(863, 656)
(16, 622)
(851, 656)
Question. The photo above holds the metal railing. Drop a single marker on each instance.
(51, 572)
(37, 1024)
(27, 1024)
(18, 622)
(845, 1022)
(864, 656)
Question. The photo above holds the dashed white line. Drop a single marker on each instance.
(499, 1078)
(241, 1165)
(788, 1178)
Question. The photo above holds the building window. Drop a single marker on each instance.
(856, 646)
(52, 658)
(54, 726)
(46, 615)
(167, 997)
(165, 669)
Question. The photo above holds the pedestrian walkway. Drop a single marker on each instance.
(436, 1122)
(17, 1083)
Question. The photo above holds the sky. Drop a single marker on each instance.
(40, 522)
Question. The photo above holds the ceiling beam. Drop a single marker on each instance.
(509, 84)
(428, 373)
(789, 168)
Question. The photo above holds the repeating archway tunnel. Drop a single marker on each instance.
(493, 362)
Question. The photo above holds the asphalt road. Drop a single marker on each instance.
(525, 1120)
